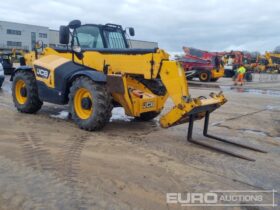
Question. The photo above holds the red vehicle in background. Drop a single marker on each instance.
(232, 60)
(207, 66)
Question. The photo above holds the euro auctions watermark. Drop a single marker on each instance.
(230, 198)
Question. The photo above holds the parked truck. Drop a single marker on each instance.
(206, 66)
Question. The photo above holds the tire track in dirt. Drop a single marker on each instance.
(37, 157)
(26, 188)
(70, 155)
(34, 153)
(66, 169)
(69, 167)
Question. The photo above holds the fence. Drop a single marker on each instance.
(266, 77)
(6, 47)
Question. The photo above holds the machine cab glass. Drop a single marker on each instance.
(94, 36)
(89, 37)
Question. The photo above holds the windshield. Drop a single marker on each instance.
(114, 38)
(89, 37)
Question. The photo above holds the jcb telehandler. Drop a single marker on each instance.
(98, 71)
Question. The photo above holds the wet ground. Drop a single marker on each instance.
(46, 162)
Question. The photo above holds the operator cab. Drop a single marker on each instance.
(108, 38)
(101, 36)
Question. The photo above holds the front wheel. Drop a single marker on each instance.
(90, 104)
(204, 76)
(25, 92)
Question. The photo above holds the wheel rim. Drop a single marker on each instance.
(204, 76)
(83, 103)
(20, 92)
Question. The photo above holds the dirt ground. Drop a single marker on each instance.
(46, 162)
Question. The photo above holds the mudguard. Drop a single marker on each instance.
(20, 68)
(63, 87)
(94, 75)
(59, 94)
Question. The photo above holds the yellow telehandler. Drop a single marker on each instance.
(96, 71)
(273, 59)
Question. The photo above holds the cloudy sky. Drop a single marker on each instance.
(207, 24)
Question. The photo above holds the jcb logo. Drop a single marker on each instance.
(44, 73)
(148, 104)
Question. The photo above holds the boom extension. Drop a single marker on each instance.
(174, 80)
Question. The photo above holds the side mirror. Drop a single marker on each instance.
(74, 24)
(131, 31)
(64, 35)
(39, 44)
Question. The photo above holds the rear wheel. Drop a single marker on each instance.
(90, 104)
(147, 116)
(25, 92)
(204, 76)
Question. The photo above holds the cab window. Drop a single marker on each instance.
(114, 38)
(89, 37)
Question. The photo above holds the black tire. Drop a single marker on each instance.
(101, 103)
(147, 116)
(204, 76)
(33, 102)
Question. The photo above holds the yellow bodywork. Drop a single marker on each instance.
(267, 63)
(137, 98)
(218, 73)
(50, 62)
(271, 64)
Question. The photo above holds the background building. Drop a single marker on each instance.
(21, 36)
(142, 44)
(53, 38)
(24, 36)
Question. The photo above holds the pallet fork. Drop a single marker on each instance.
(205, 133)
